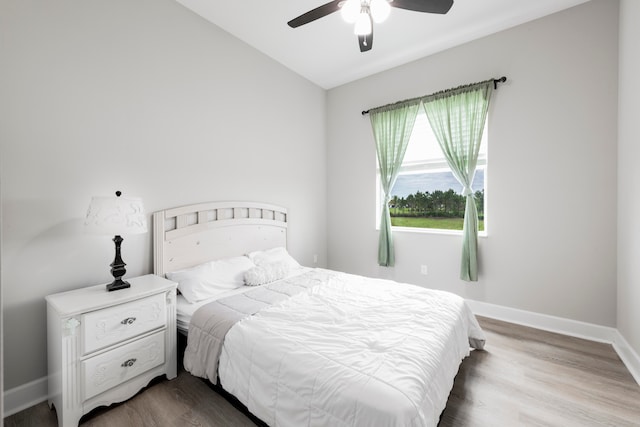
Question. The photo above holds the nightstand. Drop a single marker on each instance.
(103, 347)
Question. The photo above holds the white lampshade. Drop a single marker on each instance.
(350, 10)
(116, 215)
(380, 10)
(363, 24)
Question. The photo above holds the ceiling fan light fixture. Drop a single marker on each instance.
(350, 11)
(362, 14)
(380, 10)
(363, 25)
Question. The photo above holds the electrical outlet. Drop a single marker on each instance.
(423, 269)
(315, 258)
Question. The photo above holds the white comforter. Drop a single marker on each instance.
(352, 352)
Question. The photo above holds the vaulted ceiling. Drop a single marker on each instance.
(326, 51)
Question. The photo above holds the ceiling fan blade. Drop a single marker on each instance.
(366, 42)
(317, 13)
(428, 6)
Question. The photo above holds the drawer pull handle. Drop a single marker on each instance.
(128, 321)
(128, 363)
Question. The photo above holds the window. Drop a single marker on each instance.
(426, 195)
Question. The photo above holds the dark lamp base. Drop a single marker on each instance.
(117, 269)
(117, 285)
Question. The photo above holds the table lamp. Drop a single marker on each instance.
(116, 216)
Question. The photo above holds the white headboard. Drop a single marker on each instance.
(189, 235)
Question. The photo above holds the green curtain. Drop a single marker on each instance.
(391, 130)
(457, 117)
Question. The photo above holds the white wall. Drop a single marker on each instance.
(551, 197)
(629, 176)
(145, 97)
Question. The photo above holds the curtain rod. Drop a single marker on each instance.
(495, 86)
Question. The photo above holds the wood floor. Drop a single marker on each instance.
(526, 377)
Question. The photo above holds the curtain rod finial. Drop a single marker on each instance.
(500, 80)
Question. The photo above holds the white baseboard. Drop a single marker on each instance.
(27, 395)
(629, 357)
(545, 322)
(563, 326)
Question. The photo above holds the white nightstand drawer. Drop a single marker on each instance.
(108, 326)
(114, 367)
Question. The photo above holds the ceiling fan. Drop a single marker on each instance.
(364, 12)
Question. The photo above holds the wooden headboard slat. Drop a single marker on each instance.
(198, 228)
(220, 205)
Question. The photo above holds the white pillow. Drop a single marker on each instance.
(274, 255)
(262, 274)
(211, 278)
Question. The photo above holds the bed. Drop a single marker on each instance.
(306, 346)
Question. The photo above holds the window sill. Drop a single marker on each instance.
(431, 231)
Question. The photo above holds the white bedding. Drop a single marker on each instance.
(352, 352)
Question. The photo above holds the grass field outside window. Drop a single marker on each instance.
(433, 223)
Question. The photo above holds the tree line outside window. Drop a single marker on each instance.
(436, 204)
